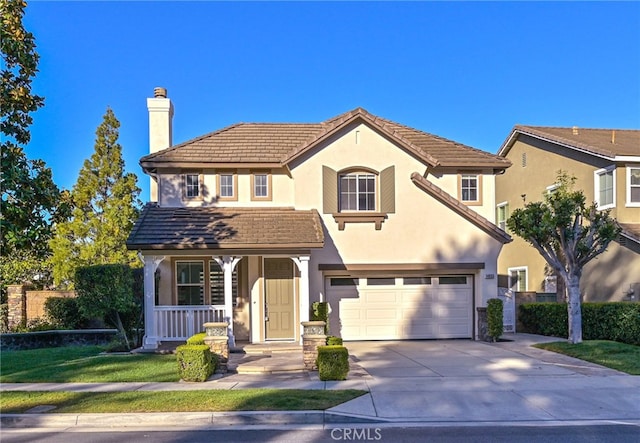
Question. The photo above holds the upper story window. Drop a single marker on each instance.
(227, 186)
(260, 186)
(518, 279)
(357, 192)
(192, 186)
(502, 214)
(633, 186)
(605, 187)
(470, 188)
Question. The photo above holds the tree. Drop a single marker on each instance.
(105, 205)
(29, 195)
(568, 234)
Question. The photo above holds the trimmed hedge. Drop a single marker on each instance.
(495, 318)
(617, 321)
(197, 339)
(334, 341)
(195, 362)
(333, 362)
(64, 312)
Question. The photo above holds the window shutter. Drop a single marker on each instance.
(388, 190)
(329, 190)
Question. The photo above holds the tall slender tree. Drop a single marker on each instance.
(105, 205)
(29, 195)
(568, 234)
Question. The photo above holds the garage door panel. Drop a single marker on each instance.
(416, 297)
(380, 297)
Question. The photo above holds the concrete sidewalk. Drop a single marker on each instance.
(410, 382)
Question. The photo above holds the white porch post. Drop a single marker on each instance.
(228, 264)
(151, 263)
(302, 263)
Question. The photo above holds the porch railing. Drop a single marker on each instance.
(181, 322)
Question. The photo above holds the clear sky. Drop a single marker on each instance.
(467, 71)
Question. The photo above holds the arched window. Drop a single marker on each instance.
(357, 191)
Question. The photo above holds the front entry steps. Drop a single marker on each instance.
(266, 358)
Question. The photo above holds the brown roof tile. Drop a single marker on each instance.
(280, 143)
(631, 230)
(603, 142)
(225, 228)
(461, 209)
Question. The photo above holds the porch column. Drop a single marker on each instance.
(151, 263)
(302, 263)
(228, 264)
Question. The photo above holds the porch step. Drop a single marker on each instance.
(268, 348)
(267, 363)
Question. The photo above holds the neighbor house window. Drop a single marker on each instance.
(357, 192)
(260, 186)
(469, 188)
(216, 283)
(605, 187)
(502, 213)
(227, 186)
(518, 279)
(633, 186)
(192, 185)
(190, 282)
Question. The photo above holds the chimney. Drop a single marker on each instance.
(575, 130)
(160, 128)
(613, 137)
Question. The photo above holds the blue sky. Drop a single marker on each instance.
(467, 71)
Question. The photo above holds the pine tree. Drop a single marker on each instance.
(105, 205)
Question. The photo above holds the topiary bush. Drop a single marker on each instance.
(197, 339)
(333, 362)
(320, 312)
(334, 341)
(195, 362)
(63, 312)
(495, 318)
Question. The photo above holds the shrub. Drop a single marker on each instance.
(333, 362)
(617, 321)
(117, 344)
(320, 312)
(4, 317)
(35, 325)
(494, 318)
(195, 362)
(63, 312)
(197, 339)
(334, 341)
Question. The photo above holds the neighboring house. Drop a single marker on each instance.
(390, 225)
(606, 164)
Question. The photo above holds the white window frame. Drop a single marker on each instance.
(628, 187)
(499, 206)
(526, 276)
(226, 186)
(188, 186)
(358, 175)
(201, 284)
(552, 188)
(596, 186)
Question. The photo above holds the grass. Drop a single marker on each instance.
(614, 355)
(177, 401)
(83, 364)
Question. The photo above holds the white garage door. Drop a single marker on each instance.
(401, 307)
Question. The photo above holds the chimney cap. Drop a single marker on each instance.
(160, 92)
(575, 130)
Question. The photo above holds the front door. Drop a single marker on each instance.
(279, 306)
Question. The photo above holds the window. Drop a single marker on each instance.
(453, 280)
(190, 282)
(416, 281)
(261, 186)
(518, 279)
(469, 188)
(553, 188)
(381, 281)
(605, 188)
(502, 214)
(344, 281)
(227, 184)
(358, 192)
(633, 186)
(192, 185)
(216, 283)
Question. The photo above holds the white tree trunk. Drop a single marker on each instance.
(573, 306)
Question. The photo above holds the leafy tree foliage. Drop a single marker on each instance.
(29, 195)
(568, 233)
(105, 205)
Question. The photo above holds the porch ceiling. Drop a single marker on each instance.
(226, 228)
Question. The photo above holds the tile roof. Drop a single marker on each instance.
(226, 228)
(280, 143)
(602, 142)
(451, 202)
(631, 230)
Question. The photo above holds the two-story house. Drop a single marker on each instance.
(606, 164)
(254, 222)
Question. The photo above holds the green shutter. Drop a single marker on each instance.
(388, 190)
(329, 190)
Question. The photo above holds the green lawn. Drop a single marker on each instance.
(177, 401)
(84, 364)
(614, 355)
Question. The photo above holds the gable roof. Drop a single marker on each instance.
(607, 143)
(453, 203)
(281, 143)
(631, 231)
(226, 228)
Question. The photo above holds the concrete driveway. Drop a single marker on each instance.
(463, 380)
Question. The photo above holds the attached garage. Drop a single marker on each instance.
(395, 308)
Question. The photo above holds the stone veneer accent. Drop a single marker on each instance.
(483, 325)
(17, 305)
(312, 337)
(218, 341)
(53, 339)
